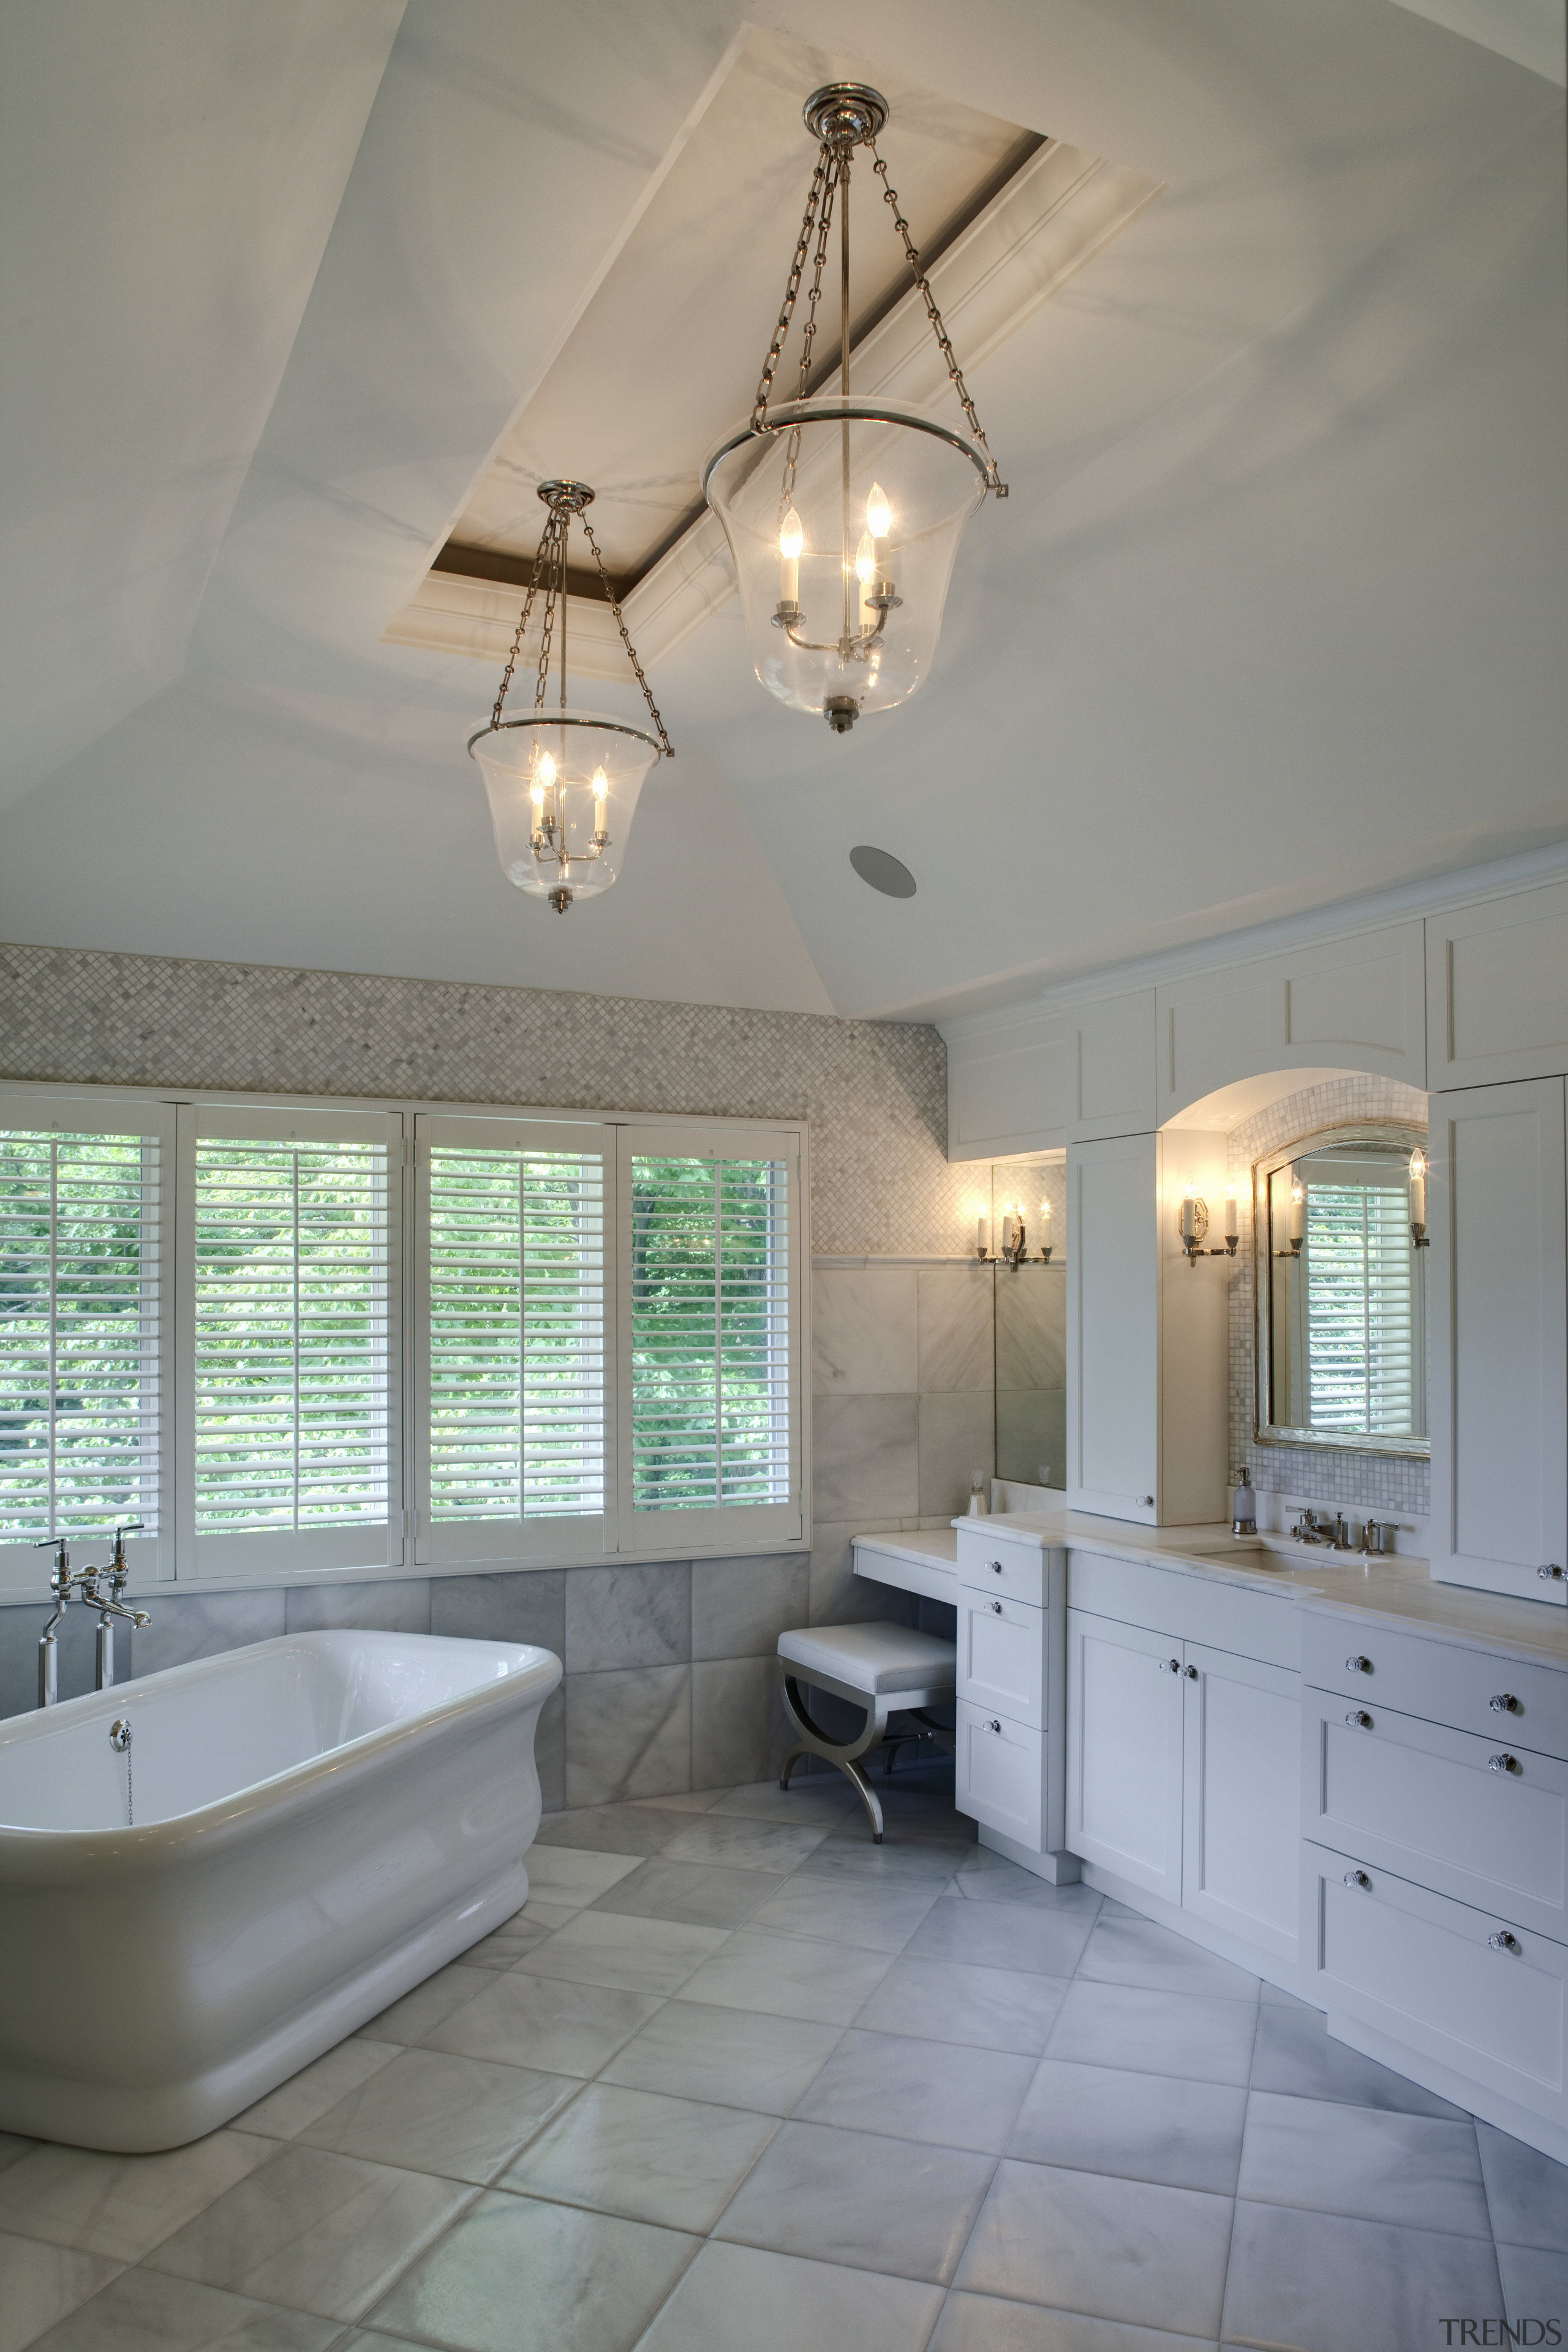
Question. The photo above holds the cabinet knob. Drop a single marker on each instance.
(1357, 1665)
(1504, 1941)
(1148, 1503)
(995, 1568)
(1357, 1878)
(995, 1724)
(996, 1607)
(1168, 1666)
(1359, 1720)
(1549, 1571)
(1504, 1763)
(1505, 1702)
(1191, 1673)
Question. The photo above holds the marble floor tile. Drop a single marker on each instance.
(788, 1976)
(861, 2199)
(541, 1912)
(640, 1827)
(1139, 2127)
(643, 2156)
(618, 1948)
(572, 1874)
(1319, 2282)
(519, 2276)
(1180, 2034)
(13, 2147)
(851, 1854)
(1416, 2170)
(733, 2057)
(871, 1918)
(1110, 2248)
(1276, 1997)
(1005, 1936)
(810, 1801)
(949, 2000)
(1135, 1951)
(284, 2112)
(121, 2206)
(409, 2020)
(313, 2231)
(42, 2283)
(697, 1892)
(432, 2112)
(542, 2023)
(910, 2088)
(984, 2323)
(1527, 2192)
(506, 1944)
(987, 1877)
(687, 1801)
(790, 2305)
(733, 1842)
(1535, 2286)
(1297, 2054)
(146, 2311)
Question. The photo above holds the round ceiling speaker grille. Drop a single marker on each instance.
(883, 871)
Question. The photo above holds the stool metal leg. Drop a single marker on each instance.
(845, 1755)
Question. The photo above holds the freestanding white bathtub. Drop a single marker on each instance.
(319, 1822)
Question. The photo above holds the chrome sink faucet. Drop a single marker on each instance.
(1310, 1529)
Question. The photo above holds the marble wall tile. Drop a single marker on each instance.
(628, 1733)
(863, 1330)
(739, 1733)
(1031, 1328)
(399, 1606)
(203, 1625)
(956, 1347)
(957, 1444)
(866, 1457)
(739, 1606)
(626, 1616)
(836, 1595)
(514, 1605)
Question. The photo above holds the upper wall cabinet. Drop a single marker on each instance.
(1030, 1080)
(1497, 989)
(1350, 1004)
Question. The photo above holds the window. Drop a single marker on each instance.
(290, 1250)
(1360, 1357)
(83, 1371)
(512, 1247)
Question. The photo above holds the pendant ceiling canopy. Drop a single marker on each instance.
(563, 784)
(843, 512)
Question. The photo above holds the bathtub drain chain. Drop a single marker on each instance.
(120, 1740)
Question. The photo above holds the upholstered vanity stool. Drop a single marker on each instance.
(883, 1669)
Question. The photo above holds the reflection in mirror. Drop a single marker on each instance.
(1342, 1339)
(1031, 1321)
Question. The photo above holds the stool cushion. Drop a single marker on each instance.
(877, 1659)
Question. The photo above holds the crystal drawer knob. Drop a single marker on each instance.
(1503, 1941)
(1505, 1702)
(1168, 1666)
(1550, 1571)
(997, 1568)
(1357, 1665)
(1504, 1763)
(1357, 1878)
(995, 1724)
(1359, 1720)
(1191, 1674)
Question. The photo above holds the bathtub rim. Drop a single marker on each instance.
(35, 1856)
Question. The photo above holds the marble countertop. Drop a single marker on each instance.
(1397, 1591)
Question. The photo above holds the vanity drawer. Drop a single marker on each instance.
(1438, 1680)
(1002, 1656)
(1437, 1976)
(999, 1774)
(1484, 1820)
(993, 1563)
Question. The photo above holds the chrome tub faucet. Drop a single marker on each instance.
(88, 1584)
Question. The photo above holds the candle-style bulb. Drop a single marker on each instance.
(865, 558)
(601, 784)
(546, 770)
(879, 515)
(792, 538)
(1232, 1214)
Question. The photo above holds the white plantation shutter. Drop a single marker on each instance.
(512, 1319)
(290, 1237)
(1363, 1335)
(84, 1403)
(710, 1346)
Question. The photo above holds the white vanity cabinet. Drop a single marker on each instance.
(1011, 1618)
(1184, 1754)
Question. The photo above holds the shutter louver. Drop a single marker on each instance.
(1360, 1365)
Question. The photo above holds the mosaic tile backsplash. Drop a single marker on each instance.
(1384, 1485)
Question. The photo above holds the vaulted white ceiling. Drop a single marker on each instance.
(1274, 614)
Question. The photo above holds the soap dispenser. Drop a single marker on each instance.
(1244, 1506)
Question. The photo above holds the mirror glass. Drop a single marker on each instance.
(1341, 1341)
(1031, 1321)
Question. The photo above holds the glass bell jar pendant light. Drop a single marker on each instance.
(844, 510)
(563, 784)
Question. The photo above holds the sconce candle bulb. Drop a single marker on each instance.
(1418, 1198)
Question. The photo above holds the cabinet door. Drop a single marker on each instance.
(1002, 1656)
(1241, 1810)
(1113, 1326)
(1124, 1751)
(1497, 1295)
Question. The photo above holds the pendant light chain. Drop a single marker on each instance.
(523, 618)
(625, 639)
(819, 183)
(890, 197)
(550, 574)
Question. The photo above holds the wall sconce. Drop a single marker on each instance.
(1418, 1200)
(1045, 1233)
(983, 1240)
(1194, 1226)
(1297, 1218)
